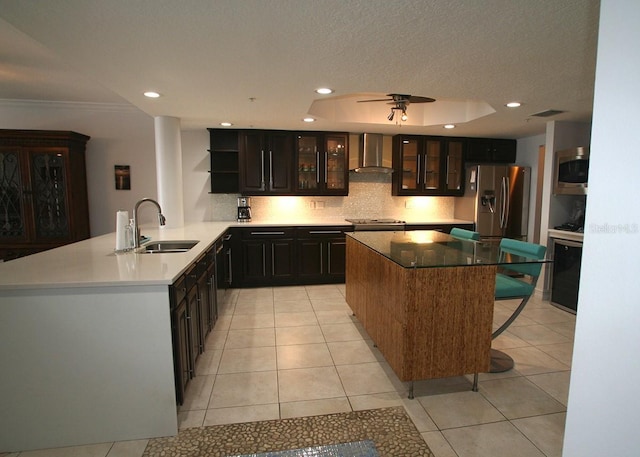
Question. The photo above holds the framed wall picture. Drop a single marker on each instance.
(123, 177)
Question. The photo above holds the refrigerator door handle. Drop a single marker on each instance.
(504, 213)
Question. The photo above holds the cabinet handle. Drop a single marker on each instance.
(321, 258)
(227, 237)
(230, 269)
(418, 170)
(317, 232)
(329, 258)
(326, 166)
(317, 166)
(270, 170)
(262, 184)
(426, 172)
(446, 180)
(267, 233)
(273, 259)
(264, 260)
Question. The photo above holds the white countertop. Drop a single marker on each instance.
(93, 262)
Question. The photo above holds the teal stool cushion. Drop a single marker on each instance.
(506, 287)
(464, 234)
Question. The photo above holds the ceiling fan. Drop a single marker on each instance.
(400, 103)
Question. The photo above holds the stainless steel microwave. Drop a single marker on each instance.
(571, 171)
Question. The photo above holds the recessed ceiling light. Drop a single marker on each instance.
(151, 94)
(449, 126)
(309, 119)
(324, 91)
(226, 124)
(513, 104)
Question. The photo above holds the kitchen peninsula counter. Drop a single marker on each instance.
(86, 335)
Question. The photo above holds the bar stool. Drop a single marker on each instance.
(509, 287)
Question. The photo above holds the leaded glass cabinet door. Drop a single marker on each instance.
(13, 223)
(49, 193)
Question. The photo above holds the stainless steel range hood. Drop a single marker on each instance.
(372, 156)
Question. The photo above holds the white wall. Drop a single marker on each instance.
(528, 157)
(120, 135)
(603, 414)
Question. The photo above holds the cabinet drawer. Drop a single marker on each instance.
(191, 277)
(267, 233)
(324, 231)
(178, 291)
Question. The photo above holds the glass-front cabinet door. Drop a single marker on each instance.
(428, 165)
(410, 158)
(455, 166)
(322, 164)
(13, 225)
(49, 185)
(432, 165)
(336, 164)
(308, 163)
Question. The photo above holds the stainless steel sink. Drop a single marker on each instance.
(166, 247)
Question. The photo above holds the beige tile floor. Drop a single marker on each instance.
(297, 351)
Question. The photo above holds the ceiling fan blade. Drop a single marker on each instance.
(376, 100)
(401, 98)
(419, 99)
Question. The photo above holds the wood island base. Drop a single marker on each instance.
(427, 322)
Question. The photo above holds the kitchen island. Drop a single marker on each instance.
(425, 299)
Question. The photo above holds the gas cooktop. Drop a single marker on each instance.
(376, 224)
(375, 221)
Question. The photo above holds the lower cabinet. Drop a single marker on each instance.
(193, 298)
(278, 256)
(180, 337)
(321, 255)
(264, 256)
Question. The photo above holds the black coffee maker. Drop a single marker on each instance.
(244, 209)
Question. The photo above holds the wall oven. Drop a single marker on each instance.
(571, 171)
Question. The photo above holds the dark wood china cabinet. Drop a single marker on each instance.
(43, 191)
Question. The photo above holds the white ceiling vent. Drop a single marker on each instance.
(547, 113)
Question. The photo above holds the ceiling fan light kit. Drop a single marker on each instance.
(400, 102)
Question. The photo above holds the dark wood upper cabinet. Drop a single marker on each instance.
(322, 163)
(428, 165)
(266, 162)
(491, 150)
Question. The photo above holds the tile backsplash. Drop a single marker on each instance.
(369, 197)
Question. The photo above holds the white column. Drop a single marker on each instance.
(169, 169)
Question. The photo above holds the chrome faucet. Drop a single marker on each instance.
(136, 231)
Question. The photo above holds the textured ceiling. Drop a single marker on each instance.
(256, 63)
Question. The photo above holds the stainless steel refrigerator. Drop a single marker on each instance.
(496, 199)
